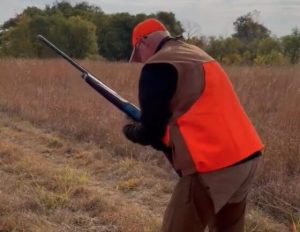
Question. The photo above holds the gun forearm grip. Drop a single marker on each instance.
(132, 111)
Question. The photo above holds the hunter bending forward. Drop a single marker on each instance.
(188, 106)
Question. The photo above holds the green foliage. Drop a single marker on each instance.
(33, 12)
(85, 31)
(169, 20)
(291, 46)
(11, 45)
(116, 36)
(267, 45)
(201, 41)
(247, 57)
(248, 30)
(226, 50)
(274, 57)
(231, 49)
(81, 37)
(81, 30)
(216, 48)
(74, 35)
(63, 7)
(269, 52)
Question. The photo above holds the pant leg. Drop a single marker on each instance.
(230, 218)
(190, 208)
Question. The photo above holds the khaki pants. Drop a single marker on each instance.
(216, 200)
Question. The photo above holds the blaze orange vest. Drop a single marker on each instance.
(208, 129)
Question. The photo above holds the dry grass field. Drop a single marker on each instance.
(65, 165)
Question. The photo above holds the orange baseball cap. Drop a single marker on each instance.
(145, 28)
(141, 30)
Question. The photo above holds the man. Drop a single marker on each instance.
(189, 108)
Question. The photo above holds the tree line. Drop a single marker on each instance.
(252, 43)
(85, 31)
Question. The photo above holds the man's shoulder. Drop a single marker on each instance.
(180, 52)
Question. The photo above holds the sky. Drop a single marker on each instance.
(199, 17)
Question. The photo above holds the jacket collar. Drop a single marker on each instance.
(165, 40)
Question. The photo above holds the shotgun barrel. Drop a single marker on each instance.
(125, 106)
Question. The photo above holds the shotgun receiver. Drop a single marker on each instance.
(125, 106)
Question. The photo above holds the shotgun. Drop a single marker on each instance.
(125, 106)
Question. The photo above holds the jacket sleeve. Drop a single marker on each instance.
(156, 88)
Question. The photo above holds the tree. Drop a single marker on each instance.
(62, 7)
(199, 41)
(81, 37)
(274, 57)
(191, 30)
(226, 50)
(291, 45)
(115, 43)
(16, 41)
(33, 11)
(265, 46)
(216, 47)
(39, 25)
(247, 29)
(169, 20)
(85, 7)
(269, 51)
(232, 49)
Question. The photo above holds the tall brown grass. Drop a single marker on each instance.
(271, 96)
(47, 184)
(51, 94)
